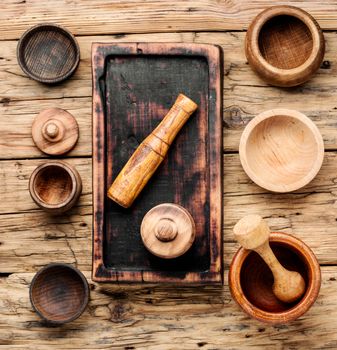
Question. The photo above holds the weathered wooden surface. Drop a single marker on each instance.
(157, 317)
(136, 99)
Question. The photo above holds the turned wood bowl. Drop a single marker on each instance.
(48, 53)
(55, 186)
(250, 280)
(284, 45)
(281, 150)
(59, 293)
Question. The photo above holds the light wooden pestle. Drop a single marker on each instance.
(252, 232)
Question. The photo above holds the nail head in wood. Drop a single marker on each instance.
(168, 230)
(59, 293)
(284, 45)
(55, 131)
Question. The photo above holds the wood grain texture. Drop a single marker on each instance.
(152, 317)
(245, 95)
(133, 88)
(135, 16)
(157, 317)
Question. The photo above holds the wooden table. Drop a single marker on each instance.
(156, 316)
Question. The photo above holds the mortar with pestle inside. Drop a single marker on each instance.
(274, 277)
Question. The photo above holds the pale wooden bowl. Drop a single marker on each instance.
(281, 150)
(284, 45)
(250, 280)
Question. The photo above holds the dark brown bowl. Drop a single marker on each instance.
(250, 280)
(284, 45)
(55, 186)
(48, 53)
(59, 293)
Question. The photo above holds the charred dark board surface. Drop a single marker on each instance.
(134, 87)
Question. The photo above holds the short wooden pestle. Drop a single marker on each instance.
(150, 153)
(252, 232)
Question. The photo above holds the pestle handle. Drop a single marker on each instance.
(252, 232)
(150, 153)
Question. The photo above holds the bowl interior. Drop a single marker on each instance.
(59, 293)
(285, 42)
(53, 185)
(257, 280)
(48, 53)
(281, 151)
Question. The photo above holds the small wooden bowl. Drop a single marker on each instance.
(55, 186)
(281, 150)
(48, 53)
(284, 45)
(250, 280)
(59, 293)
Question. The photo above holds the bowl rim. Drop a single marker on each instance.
(308, 123)
(310, 296)
(84, 284)
(284, 10)
(56, 163)
(40, 27)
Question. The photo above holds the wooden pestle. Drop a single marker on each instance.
(252, 232)
(150, 153)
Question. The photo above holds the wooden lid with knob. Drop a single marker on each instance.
(168, 230)
(55, 131)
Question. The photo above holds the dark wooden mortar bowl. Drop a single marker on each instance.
(48, 53)
(55, 186)
(250, 280)
(284, 45)
(59, 293)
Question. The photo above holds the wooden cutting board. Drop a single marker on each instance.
(134, 85)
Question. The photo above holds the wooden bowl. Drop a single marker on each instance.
(284, 45)
(281, 150)
(55, 186)
(59, 293)
(48, 53)
(250, 280)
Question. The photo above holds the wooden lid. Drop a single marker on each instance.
(55, 131)
(168, 230)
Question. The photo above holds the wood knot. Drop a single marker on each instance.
(166, 230)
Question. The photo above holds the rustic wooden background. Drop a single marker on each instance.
(155, 316)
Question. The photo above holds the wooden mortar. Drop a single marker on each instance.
(55, 186)
(251, 281)
(284, 45)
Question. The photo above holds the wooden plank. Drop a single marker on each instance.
(163, 317)
(245, 95)
(144, 73)
(135, 16)
(31, 238)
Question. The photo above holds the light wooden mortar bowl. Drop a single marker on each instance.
(281, 150)
(251, 280)
(284, 45)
